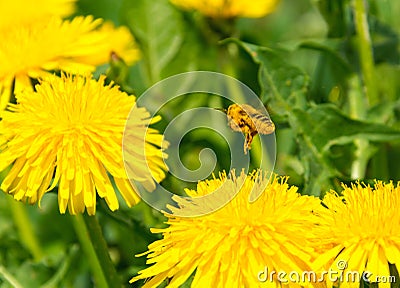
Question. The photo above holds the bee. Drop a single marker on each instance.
(248, 120)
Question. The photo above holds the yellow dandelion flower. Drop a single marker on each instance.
(68, 134)
(236, 245)
(74, 46)
(18, 12)
(361, 227)
(229, 8)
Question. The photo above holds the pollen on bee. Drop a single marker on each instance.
(250, 121)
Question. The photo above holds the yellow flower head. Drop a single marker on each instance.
(74, 46)
(361, 227)
(235, 245)
(68, 133)
(18, 12)
(229, 8)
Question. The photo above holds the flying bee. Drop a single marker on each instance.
(248, 120)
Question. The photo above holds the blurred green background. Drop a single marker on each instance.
(335, 107)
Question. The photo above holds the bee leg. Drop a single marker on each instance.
(247, 143)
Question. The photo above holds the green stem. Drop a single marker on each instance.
(358, 106)
(364, 46)
(359, 165)
(95, 247)
(9, 278)
(25, 230)
(63, 270)
(359, 102)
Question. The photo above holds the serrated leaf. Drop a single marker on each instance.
(326, 126)
(328, 46)
(332, 68)
(282, 84)
(158, 29)
(317, 165)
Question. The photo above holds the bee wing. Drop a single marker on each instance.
(263, 123)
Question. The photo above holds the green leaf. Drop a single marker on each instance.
(317, 165)
(106, 9)
(283, 85)
(318, 128)
(157, 27)
(63, 268)
(328, 126)
(328, 46)
(332, 68)
(323, 126)
(337, 16)
(385, 42)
